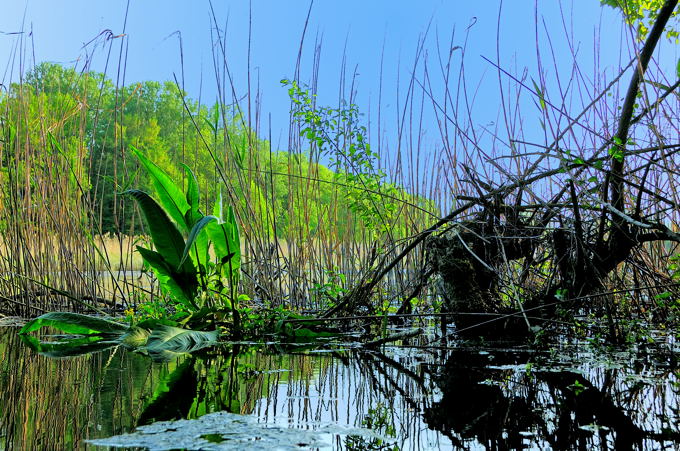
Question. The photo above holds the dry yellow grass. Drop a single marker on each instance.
(118, 252)
(115, 252)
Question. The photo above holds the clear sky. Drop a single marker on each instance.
(366, 30)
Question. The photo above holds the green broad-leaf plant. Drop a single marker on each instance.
(159, 339)
(196, 257)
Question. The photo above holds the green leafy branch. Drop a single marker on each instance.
(336, 132)
(642, 14)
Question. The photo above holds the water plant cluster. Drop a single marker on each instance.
(512, 285)
(238, 237)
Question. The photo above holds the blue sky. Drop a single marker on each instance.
(365, 31)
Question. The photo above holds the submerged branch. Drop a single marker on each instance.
(393, 337)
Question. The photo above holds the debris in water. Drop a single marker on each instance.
(226, 431)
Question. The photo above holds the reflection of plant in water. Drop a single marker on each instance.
(379, 420)
(227, 379)
(159, 339)
(58, 403)
(204, 384)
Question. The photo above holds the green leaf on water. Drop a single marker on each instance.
(177, 339)
(157, 338)
(136, 337)
(74, 323)
(166, 342)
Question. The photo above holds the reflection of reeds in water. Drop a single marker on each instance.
(58, 403)
(342, 388)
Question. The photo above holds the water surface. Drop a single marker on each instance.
(340, 396)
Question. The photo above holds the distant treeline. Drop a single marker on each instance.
(74, 130)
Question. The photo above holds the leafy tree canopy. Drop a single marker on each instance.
(642, 14)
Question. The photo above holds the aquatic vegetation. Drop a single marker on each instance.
(377, 419)
(272, 277)
(161, 340)
(199, 275)
(187, 272)
(466, 395)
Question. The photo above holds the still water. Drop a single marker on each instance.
(339, 396)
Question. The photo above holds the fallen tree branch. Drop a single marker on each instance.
(625, 121)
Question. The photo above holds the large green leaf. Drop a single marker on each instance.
(194, 234)
(180, 286)
(167, 342)
(135, 337)
(219, 234)
(170, 195)
(200, 251)
(166, 238)
(199, 246)
(192, 197)
(155, 337)
(226, 241)
(177, 339)
(74, 323)
(68, 348)
(217, 208)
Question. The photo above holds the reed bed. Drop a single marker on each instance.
(69, 235)
(67, 232)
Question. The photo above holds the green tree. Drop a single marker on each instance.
(643, 13)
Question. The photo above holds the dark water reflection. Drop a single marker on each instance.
(572, 399)
(463, 396)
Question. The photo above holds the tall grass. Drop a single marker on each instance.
(55, 254)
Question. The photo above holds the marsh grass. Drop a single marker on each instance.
(53, 220)
(55, 253)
